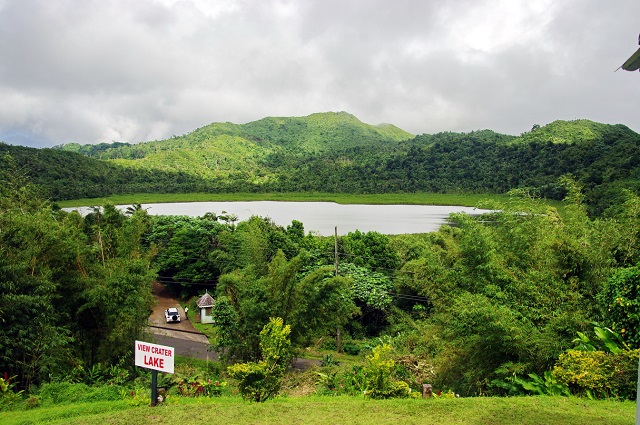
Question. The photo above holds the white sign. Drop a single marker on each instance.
(153, 356)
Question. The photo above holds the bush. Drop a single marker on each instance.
(346, 380)
(262, 380)
(599, 374)
(378, 371)
(199, 386)
(9, 398)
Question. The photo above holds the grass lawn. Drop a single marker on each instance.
(339, 410)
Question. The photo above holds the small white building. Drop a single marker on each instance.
(205, 303)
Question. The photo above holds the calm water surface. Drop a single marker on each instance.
(322, 217)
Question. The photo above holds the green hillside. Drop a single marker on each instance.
(313, 133)
(70, 175)
(220, 149)
(337, 153)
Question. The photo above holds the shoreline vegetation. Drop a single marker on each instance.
(465, 200)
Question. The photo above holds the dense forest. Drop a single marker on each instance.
(336, 153)
(477, 308)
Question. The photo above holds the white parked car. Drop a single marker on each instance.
(172, 315)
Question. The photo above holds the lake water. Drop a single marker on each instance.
(322, 217)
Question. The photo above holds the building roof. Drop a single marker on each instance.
(205, 301)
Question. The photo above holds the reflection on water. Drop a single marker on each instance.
(321, 217)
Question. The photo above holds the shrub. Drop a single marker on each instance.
(199, 386)
(548, 384)
(262, 380)
(256, 381)
(351, 348)
(599, 374)
(341, 381)
(9, 398)
(379, 382)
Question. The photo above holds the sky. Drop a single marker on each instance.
(91, 71)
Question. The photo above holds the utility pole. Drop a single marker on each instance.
(335, 253)
(335, 247)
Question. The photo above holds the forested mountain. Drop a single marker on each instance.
(335, 152)
(69, 175)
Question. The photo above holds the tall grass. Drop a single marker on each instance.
(390, 198)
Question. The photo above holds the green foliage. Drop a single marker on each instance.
(10, 398)
(620, 301)
(370, 250)
(341, 380)
(378, 373)
(260, 381)
(599, 374)
(190, 249)
(605, 340)
(311, 302)
(368, 287)
(198, 386)
(512, 292)
(101, 375)
(329, 360)
(73, 291)
(546, 385)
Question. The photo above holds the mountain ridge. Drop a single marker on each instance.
(335, 152)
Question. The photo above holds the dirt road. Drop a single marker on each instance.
(158, 325)
(186, 339)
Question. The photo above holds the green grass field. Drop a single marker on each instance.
(338, 410)
(392, 198)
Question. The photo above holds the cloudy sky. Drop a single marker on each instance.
(92, 71)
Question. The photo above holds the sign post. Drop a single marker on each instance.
(157, 358)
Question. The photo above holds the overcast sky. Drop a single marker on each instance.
(92, 71)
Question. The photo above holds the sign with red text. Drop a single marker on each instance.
(153, 356)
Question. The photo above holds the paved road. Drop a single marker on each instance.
(186, 347)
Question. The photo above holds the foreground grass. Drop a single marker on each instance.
(391, 198)
(339, 410)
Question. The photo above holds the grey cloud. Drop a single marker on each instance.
(101, 70)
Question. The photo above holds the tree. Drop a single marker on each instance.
(73, 291)
(511, 289)
(36, 260)
(372, 294)
(312, 302)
